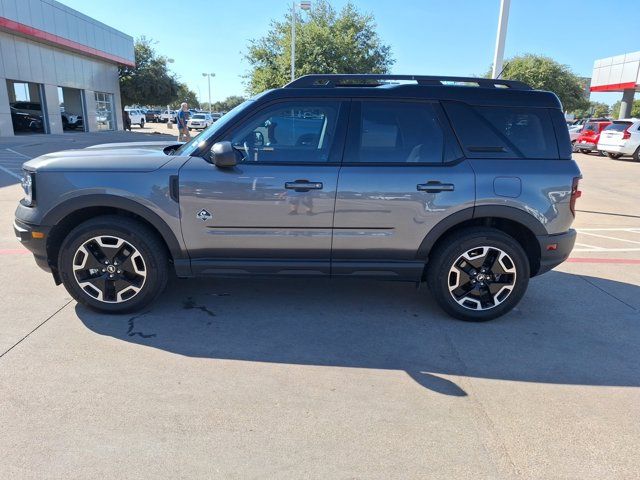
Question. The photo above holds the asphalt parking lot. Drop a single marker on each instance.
(327, 379)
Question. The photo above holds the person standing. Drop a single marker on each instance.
(182, 117)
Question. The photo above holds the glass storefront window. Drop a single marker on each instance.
(104, 111)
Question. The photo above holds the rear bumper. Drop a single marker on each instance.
(584, 146)
(625, 149)
(37, 246)
(555, 249)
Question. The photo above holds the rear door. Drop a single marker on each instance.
(402, 173)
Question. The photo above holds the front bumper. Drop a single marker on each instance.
(555, 249)
(38, 246)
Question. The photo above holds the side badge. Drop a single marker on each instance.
(203, 215)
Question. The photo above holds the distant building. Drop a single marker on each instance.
(618, 74)
(58, 69)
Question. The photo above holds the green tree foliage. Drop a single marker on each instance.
(543, 73)
(594, 109)
(184, 94)
(326, 42)
(228, 103)
(149, 82)
(635, 109)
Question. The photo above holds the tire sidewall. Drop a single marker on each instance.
(156, 271)
(438, 272)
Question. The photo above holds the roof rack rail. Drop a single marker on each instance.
(375, 80)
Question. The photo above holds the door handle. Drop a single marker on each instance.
(435, 187)
(303, 185)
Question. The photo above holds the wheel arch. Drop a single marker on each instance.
(517, 223)
(73, 212)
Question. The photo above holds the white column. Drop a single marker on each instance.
(501, 36)
(52, 102)
(6, 126)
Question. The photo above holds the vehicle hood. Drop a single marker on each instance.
(125, 158)
(155, 145)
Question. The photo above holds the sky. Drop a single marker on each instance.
(428, 37)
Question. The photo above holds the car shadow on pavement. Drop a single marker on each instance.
(569, 329)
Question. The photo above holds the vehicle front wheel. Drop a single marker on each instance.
(141, 123)
(615, 156)
(113, 264)
(478, 274)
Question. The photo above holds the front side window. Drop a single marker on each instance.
(395, 132)
(293, 131)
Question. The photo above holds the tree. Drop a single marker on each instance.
(635, 109)
(326, 42)
(184, 94)
(228, 103)
(594, 109)
(149, 81)
(543, 73)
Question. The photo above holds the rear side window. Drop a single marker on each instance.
(618, 126)
(395, 132)
(504, 132)
(591, 127)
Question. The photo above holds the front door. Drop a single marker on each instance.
(273, 212)
(402, 173)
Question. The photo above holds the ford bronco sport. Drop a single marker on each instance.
(466, 184)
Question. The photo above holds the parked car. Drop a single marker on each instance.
(470, 189)
(199, 121)
(137, 117)
(168, 115)
(620, 138)
(26, 122)
(71, 121)
(587, 141)
(574, 132)
(32, 108)
(152, 115)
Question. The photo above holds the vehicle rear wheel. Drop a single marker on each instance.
(585, 151)
(141, 123)
(113, 264)
(636, 155)
(601, 153)
(478, 274)
(615, 156)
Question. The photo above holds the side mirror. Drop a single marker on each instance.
(223, 154)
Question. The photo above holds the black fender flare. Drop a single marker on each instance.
(64, 209)
(484, 211)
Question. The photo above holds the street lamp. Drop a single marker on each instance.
(169, 123)
(501, 36)
(304, 5)
(209, 75)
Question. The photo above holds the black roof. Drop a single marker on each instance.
(475, 91)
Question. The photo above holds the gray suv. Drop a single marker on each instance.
(466, 184)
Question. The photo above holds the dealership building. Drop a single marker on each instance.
(618, 74)
(58, 69)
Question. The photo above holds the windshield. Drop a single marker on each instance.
(198, 117)
(200, 140)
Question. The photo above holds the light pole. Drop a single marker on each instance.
(304, 5)
(209, 75)
(169, 122)
(501, 36)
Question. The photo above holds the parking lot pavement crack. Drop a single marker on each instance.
(491, 441)
(608, 293)
(36, 328)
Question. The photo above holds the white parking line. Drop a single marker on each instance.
(6, 170)
(584, 247)
(18, 153)
(608, 237)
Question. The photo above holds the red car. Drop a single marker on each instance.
(587, 141)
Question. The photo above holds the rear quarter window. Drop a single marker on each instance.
(618, 126)
(503, 132)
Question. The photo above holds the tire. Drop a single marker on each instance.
(585, 151)
(141, 123)
(485, 299)
(142, 275)
(615, 156)
(601, 153)
(636, 155)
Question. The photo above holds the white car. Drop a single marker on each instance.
(136, 116)
(168, 116)
(620, 138)
(199, 121)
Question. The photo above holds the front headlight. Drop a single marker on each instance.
(28, 183)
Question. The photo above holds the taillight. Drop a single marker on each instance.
(626, 134)
(575, 194)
